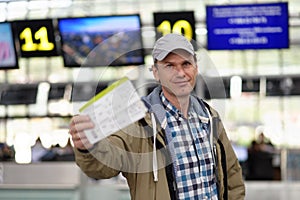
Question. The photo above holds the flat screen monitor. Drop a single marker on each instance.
(101, 41)
(250, 84)
(86, 90)
(57, 91)
(247, 26)
(283, 86)
(18, 94)
(216, 88)
(8, 56)
(241, 152)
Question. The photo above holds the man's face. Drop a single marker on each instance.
(177, 74)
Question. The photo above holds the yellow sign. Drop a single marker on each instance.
(40, 35)
(180, 26)
(175, 22)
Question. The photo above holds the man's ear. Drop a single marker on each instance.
(155, 73)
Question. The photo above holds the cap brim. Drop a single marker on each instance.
(165, 53)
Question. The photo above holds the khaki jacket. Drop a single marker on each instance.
(131, 154)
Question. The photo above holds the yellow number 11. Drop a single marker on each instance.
(41, 35)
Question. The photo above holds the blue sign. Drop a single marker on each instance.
(247, 26)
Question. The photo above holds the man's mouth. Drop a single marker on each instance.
(181, 83)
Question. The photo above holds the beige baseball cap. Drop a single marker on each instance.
(170, 42)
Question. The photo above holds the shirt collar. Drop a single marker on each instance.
(174, 111)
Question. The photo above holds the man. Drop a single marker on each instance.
(179, 150)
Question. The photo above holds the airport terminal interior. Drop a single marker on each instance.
(53, 60)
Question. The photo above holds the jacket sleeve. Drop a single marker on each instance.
(235, 183)
(110, 156)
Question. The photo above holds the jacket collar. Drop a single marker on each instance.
(154, 105)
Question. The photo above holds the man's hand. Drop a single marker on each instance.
(78, 124)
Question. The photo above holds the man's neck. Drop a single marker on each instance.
(181, 103)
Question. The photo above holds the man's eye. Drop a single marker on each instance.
(168, 66)
(187, 64)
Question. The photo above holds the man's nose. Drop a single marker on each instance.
(179, 70)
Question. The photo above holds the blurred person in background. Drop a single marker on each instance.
(6, 153)
(260, 159)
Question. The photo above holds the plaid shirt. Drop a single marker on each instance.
(193, 164)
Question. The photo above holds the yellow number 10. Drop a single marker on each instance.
(41, 35)
(165, 28)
